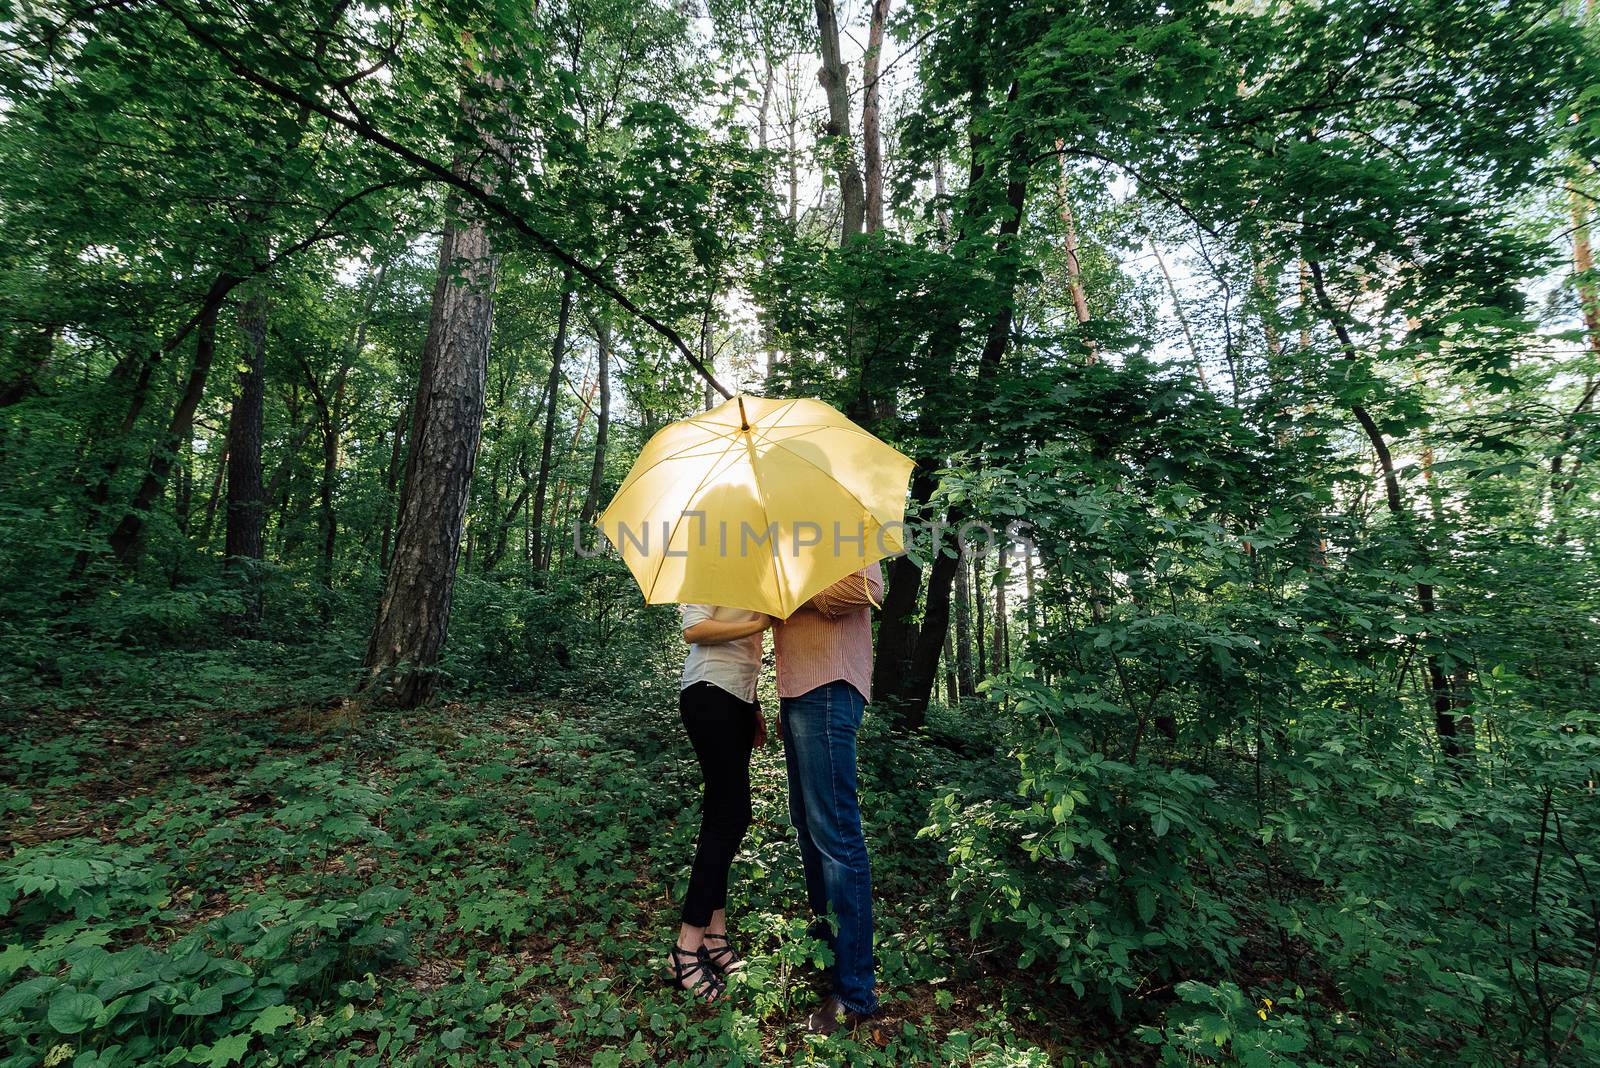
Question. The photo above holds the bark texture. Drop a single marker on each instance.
(871, 135)
(446, 423)
(835, 80)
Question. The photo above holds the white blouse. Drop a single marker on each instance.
(731, 666)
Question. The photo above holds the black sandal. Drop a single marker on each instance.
(724, 958)
(703, 981)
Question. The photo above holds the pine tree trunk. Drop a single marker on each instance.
(446, 423)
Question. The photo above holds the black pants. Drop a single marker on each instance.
(722, 729)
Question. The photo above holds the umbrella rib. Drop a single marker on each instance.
(846, 425)
(850, 492)
(632, 478)
(834, 426)
(774, 417)
(654, 579)
(777, 557)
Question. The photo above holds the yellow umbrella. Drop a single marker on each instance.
(757, 504)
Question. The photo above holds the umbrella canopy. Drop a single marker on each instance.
(757, 504)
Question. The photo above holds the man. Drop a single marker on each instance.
(824, 655)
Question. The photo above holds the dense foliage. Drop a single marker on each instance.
(1271, 331)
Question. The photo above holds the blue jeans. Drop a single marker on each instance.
(819, 744)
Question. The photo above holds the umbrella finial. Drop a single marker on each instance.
(744, 420)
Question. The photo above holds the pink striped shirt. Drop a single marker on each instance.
(830, 637)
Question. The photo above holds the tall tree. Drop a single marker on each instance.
(834, 74)
(446, 423)
(246, 508)
(871, 134)
(538, 546)
(597, 469)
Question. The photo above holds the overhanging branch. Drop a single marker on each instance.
(441, 173)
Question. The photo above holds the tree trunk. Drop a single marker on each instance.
(871, 139)
(1453, 726)
(835, 78)
(446, 423)
(33, 355)
(923, 676)
(139, 390)
(793, 158)
(1183, 318)
(952, 688)
(907, 692)
(1589, 303)
(183, 496)
(327, 516)
(1030, 590)
(966, 682)
(897, 630)
(391, 474)
(127, 538)
(246, 511)
(215, 497)
(597, 470)
(981, 605)
(332, 434)
(547, 447)
(997, 648)
(518, 504)
(1080, 299)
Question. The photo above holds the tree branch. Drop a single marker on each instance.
(441, 173)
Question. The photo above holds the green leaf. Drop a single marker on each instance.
(26, 994)
(271, 1018)
(12, 958)
(228, 1050)
(1147, 904)
(71, 1011)
(207, 1002)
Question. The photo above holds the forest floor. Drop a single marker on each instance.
(480, 883)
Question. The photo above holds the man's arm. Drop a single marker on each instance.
(863, 589)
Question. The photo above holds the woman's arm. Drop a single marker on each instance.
(717, 632)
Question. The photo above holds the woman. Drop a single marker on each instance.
(717, 701)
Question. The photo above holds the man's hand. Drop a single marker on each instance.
(760, 739)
